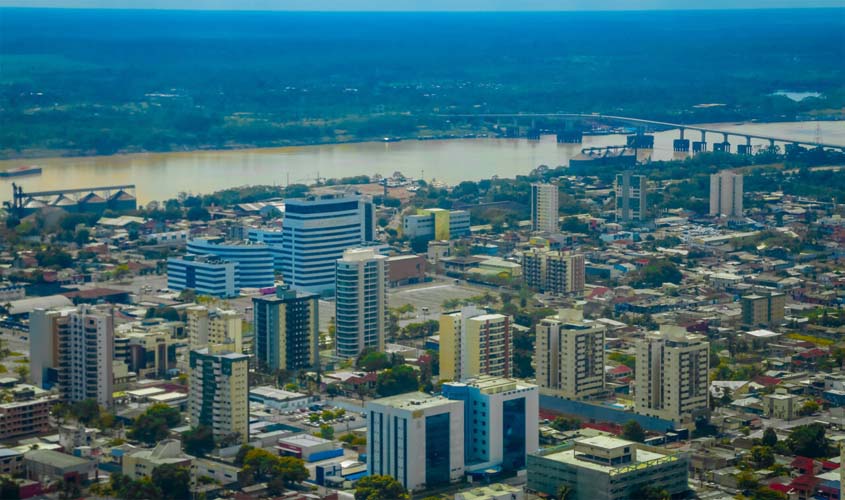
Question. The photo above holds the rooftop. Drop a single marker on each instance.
(413, 401)
(55, 458)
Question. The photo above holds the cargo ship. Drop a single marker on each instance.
(20, 171)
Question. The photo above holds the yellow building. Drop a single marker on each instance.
(213, 326)
(474, 343)
(441, 221)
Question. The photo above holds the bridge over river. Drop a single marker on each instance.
(571, 133)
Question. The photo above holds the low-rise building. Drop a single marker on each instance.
(52, 466)
(141, 463)
(309, 448)
(780, 405)
(23, 418)
(606, 468)
(497, 491)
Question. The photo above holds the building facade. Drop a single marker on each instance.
(204, 274)
(501, 418)
(360, 302)
(44, 328)
(569, 355)
(631, 197)
(85, 355)
(219, 392)
(416, 438)
(254, 260)
(544, 208)
(606, 468)
(726, 194)
(763, 309)
(287, 330)
(206, 326)
(672, 375)
(436, 223)
(273, 238)
(554, 271)
(475, 343)
(316, 232)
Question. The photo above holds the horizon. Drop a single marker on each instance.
(432, 6)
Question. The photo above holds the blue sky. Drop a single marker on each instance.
(427, 5)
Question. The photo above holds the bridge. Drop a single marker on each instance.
(681, 144)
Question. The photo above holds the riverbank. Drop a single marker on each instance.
(159, 176)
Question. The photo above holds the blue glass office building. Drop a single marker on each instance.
(316, 231)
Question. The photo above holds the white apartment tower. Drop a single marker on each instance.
(554, 271)
(726, 194)
(85, 354)
(219, 391)
(544, 208)
(672, 371)
(214, 326)
(569, 356)
(360, 301)
(631, 192)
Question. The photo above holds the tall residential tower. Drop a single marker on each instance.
(544, 208)
(360, 301)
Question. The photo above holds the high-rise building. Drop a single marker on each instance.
(360, 302)
(44, 328)
(219, 391)
(607, 468)
(287, 330)
(253, 261)
(500, 421)
(206, 326)
(544, 208)
(436, 223)
(726, 194)
(85, 355)
(553, 271)
(672, 371)
(475, 343)
(631, 193)
(569, 355)
(316, 231)
(206, 275)
(763, 309)
(416, 438)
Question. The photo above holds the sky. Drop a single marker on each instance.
(426, 5)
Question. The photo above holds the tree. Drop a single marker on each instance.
(398, 380)
(808, 441)
(646, 492)
(633, 431)
(762, 456)
(333, 390)
(657, 272)
(198, 441)
(770, 437)
(371, 360)
(154, 424)
(326, 432)
(198, 213)
(23, 372)
(379, 487)
(241, 455)
(173, 481)
(9, 488)
(766, 493)
(746, 480)
(566, 424)
(261, 465)
(809, 407)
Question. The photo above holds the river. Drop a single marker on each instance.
(159, 176)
